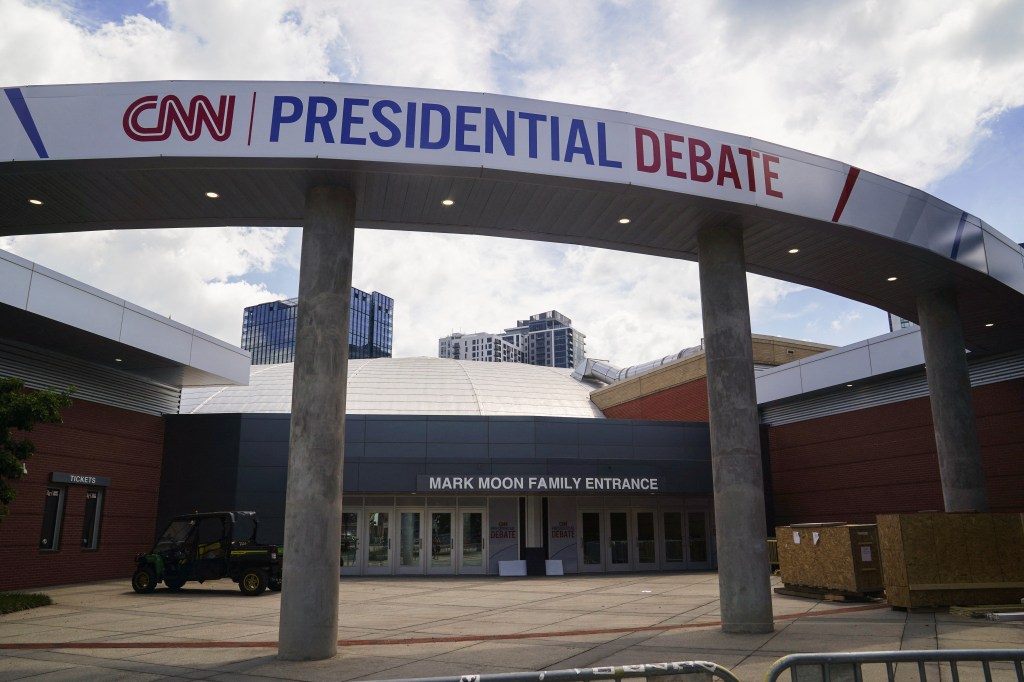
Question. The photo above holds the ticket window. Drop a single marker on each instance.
(53, 516)
(91, 520)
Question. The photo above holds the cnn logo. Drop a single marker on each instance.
(152, 118)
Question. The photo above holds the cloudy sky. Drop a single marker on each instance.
(927, 92)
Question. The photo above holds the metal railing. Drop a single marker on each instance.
(773, 554)
(705, 670)
(991, 665)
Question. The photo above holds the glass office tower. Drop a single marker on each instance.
(268, 329)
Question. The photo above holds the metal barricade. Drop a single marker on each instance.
(705, 671)
(991, 665)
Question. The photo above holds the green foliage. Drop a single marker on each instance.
(20, 411)
(14, 601)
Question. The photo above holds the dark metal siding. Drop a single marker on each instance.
(385, 454)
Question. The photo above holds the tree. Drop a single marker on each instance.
(20, 411)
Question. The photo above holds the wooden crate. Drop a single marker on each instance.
(831, 556)
(947, 559)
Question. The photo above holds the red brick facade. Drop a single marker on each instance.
(95, 440)
(684, 403)
(854, 465)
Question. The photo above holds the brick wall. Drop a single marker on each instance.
(852, 466)
(94, 440)
(685, 403)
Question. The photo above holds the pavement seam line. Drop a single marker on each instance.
(14, 646)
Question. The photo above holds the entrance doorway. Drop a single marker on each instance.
(410, 546)
(442, 541)
(471, 550)
(646, 533)
(378, 543)
(351, 558)
(605, 540)
(686, 536)
(643, 540)
(397, 540)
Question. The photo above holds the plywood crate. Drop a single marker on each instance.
(952, 559)
(833, 556)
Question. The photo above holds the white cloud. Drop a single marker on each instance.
(903, 89)
(844, 321)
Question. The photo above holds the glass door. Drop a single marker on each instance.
(619, 554)
(672, 528)
(470, 548)
(646, 541)
(410, 554)
(697, 539)
(350, 556)
(442, 537)
(591, 543)
(378, 542)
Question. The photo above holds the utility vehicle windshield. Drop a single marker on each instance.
(175, 535)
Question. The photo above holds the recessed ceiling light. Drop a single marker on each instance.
(849, 385)
(448, 202)
(990, 324)
(794, 251)
(624, 221)
(35, 202)
(212, 195)
(892, 279)
(118, 360)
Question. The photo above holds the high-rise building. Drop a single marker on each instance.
(897, 323)
(481, 346)
(268, 329)
(546, 339)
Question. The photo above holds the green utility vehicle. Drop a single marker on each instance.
(210, 546)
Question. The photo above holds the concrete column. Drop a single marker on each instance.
(743, 571)
(312, 525)
(949, 386)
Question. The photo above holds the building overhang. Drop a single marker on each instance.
(45, 309)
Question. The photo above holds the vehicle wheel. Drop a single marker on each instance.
(144, 580)
(253, 582)
(274, 584)
(174, 584)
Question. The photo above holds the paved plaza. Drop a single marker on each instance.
(421, 626)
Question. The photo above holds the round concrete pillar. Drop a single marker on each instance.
(312, 528)
(744, 575)
(949, 388)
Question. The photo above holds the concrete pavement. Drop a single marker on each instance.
(398, 627)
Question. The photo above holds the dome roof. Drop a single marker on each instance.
(422, 386)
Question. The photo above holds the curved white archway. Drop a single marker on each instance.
(138, 155)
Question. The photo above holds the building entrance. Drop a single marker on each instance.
(471, 549)
(410, 546)
(351, 561)
(378, 543)
(638, 540)
(442, 542)
(403, 540)
(686, 535)
(606, 541)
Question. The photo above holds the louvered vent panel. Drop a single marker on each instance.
(42, 369)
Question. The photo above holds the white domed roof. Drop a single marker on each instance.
(413, 386)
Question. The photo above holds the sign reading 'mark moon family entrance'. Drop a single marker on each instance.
(582, 484)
